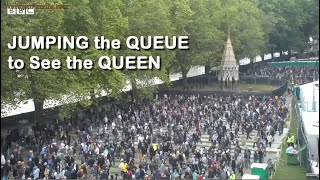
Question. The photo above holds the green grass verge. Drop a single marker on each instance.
(241, 87)
(284, 170)
(257, 87)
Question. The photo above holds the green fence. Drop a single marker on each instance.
(302, 142)
(294, 63)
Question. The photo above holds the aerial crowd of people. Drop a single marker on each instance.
(168, 137)
(298, 74)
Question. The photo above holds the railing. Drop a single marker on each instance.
(278, 159)
(304, 155)
(302, 142)
(244, 68)
(310, 106)
(277, 92)
(199, 81)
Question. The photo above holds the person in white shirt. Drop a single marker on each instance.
(62, 145)
(227, 126)
(36, 173)
(214, 137)
(61, 175)
(194, 160)
(269, 138)
(140, 138)
(105, 129)
(3, 159)
(133, 128)
(113, 125)
(100, 130)
(96, 151)
(55, 175)
(105, 119)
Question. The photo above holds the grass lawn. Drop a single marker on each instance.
(241, 87)
(285, 171)
(257, 87)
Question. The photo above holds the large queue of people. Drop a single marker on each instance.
(160, 138)
(298, 74)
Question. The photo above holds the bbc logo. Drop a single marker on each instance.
(20, 11)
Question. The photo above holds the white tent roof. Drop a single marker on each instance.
(250, 176)
(307, 91)
(310, 122)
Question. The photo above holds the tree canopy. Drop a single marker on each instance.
(256, 27)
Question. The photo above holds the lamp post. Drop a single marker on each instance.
(313, 93)
(272, 54)
(273, 46)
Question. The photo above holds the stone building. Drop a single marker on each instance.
(229, 68)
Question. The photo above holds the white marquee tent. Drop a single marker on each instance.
(309, 111)
(311, 128)
(309, 93)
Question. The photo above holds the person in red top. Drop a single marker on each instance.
(197, 127)
(200, 177)
(198, 130)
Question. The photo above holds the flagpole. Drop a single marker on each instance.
(313, 93)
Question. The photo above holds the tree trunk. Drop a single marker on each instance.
(184, 77)
(168, 71)
(37, 99)
(134, 90)
(272, 56)
(289, 53)
(251, 60)
(262, 57)
(38, 110)
(207, 69)
(93, 96)
(302, 55)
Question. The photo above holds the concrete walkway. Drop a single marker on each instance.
(274, 150)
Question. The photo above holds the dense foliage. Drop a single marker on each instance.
(256, 27)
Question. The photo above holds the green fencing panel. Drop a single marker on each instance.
(294, 63)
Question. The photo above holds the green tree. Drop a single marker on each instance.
(37, 86)
(294, 24)
(243, 18)
(181, 16)
(64, 86)
(216, 12)
(268, 20)
(153, 19)
(206, 40)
